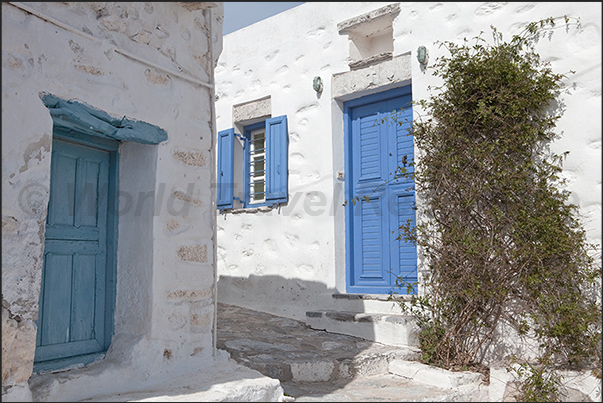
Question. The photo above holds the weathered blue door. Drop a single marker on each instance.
(378, 142)
(76, 298)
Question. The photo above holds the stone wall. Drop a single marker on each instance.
(151, 62)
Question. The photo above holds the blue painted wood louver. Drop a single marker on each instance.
(378, 141)
(277, 141)
(75, 116)
(225, 175)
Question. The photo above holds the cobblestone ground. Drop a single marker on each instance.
(315, 365)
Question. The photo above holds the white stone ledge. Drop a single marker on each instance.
(376, 77)
(248, 112)
(352, 23)
(198, 5)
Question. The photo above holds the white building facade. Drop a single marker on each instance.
(108, 209)
(289, 245)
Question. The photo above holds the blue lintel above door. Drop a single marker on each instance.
(75, 116)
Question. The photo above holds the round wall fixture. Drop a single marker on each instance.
(422, 54)
(317, 84)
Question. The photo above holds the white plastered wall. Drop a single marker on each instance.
(283, 260)
(288, 261)
(165, 305)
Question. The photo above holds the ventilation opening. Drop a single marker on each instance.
(371, 36)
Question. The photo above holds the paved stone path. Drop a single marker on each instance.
(315, 365)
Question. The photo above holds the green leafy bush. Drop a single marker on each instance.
(502, 242)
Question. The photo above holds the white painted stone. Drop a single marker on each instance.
(583, 381)
(431, 375)
(395, 330)
(499, 377)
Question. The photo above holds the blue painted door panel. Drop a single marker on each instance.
(71, 318)
(378, 143)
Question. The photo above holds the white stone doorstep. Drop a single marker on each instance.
(223, 382)
(434, 376)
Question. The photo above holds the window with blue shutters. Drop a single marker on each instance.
(264, 162)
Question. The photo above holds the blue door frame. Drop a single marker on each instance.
(77, 297)
(376, 142)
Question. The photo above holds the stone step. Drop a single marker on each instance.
(366, 303)
(225, 381)
(389, 329)
(337, 362)
(289, 350)
(455, 386)
(382, 388)
(431, 375)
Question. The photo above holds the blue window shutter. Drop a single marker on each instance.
(277, 141)
(225, 177)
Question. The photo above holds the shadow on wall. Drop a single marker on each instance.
(371, 317)
(288, 297)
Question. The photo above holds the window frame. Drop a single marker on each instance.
(247, 130)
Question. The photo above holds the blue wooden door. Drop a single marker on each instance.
(378, 143)
(75, 300)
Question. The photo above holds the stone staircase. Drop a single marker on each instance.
(318, 365)
(370, 316)
(288, 350)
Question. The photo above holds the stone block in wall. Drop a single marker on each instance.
(257, 109)
(193, 253)
(190, 157)
(378, 77)
(18, 347)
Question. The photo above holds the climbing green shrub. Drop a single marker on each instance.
(538, 382)
(501, 240)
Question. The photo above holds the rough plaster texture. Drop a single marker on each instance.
(133, 60)
(290, 260)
